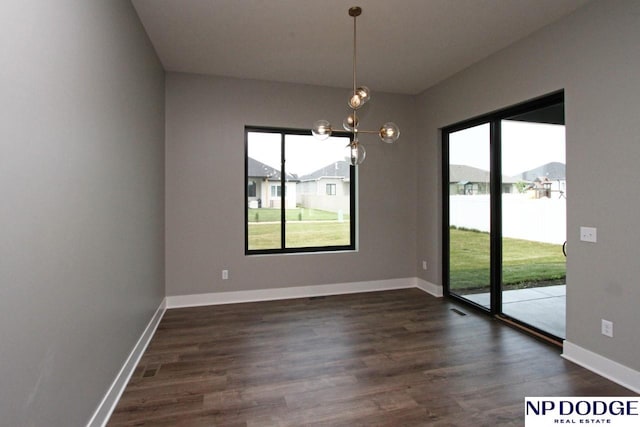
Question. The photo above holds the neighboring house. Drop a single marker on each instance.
(264, 187)
(327, 188)
(467, 180)
(546, 180)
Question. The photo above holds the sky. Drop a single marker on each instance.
(305, 154)
(525, 146)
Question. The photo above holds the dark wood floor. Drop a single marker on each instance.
(382, 358)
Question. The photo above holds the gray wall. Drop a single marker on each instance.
(81, 177)
(595, 56)
(82, 185)
(205, 186)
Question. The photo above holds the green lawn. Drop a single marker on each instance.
(525, 263)
(305, 227)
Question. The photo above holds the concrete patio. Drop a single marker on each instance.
(543, 308)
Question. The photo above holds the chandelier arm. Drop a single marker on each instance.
(388, 133)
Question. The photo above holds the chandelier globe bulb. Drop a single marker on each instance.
(321, 130)
(389, 132)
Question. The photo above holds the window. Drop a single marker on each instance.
(286, 209)
(251, 189)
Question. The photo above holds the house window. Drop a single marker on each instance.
(251, 189)
(285, 208)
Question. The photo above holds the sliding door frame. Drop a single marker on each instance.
(494, 120)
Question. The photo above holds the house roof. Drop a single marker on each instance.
(256, 169)
(339, 169)
(553, 170)
(464, 174)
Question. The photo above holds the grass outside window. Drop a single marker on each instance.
(305, 227)
(524, 263)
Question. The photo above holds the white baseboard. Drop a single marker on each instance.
(607, 368)
(428, 287)
(111, 398)
(217, 298)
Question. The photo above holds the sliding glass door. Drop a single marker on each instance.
(534, 201)
(470, 212)
(505, 213)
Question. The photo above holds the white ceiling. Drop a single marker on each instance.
(404, 46)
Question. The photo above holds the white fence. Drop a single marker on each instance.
(325, 203)
(540, 220)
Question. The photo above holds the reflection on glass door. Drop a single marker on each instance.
(470, 213)
(534, 218)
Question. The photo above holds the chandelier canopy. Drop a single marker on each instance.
(358, 97)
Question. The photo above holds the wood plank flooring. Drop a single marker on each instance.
(381, 358)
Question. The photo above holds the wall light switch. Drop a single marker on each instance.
(607, 328)
(424, 265)
(225, 274)
(589, 234)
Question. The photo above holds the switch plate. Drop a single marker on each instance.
(225, 274)
(607, 328)
(589, 234)
(424, 265)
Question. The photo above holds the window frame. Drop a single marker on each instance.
(283, 132)
(331, 189)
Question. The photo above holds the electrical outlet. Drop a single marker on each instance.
(424, 265)
(607, 328)
(589, 234)
(225, 274)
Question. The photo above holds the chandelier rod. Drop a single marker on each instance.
(354, 13)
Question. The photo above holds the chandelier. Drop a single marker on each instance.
(360, 95)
